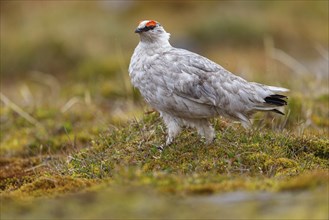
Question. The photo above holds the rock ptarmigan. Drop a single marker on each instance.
(188, 89)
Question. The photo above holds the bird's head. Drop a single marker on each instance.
(152, 31)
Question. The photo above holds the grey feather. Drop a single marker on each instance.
(189, 89)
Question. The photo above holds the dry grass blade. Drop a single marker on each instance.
(289, 61)
(70, 103)
(19, 110)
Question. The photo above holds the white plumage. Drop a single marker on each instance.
(188, 89)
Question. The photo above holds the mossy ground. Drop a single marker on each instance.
(78, 141)
(126, 157)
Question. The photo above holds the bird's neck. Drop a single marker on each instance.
(159, 42)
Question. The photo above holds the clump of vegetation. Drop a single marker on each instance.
(127, 158)
(265, 154)
(237, 159)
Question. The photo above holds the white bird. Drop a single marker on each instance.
(188, 89)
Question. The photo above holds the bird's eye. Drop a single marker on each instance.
(147, 28)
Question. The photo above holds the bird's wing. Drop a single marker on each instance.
(196, 78)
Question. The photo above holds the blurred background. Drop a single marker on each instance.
(65, 83)
(65, 63)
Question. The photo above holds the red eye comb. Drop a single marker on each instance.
(151, 23)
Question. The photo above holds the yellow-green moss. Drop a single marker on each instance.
(307, 180)
(52, 186)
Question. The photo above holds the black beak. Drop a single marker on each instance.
(144, 29)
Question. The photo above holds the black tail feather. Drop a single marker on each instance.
(278, 96)
(277, 111)
(276, 100)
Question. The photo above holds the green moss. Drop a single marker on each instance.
(52, 186)
(282, 167)
(133, 147)
(307, 180)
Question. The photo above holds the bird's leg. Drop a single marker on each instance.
(206, 130)
(172, 133)
(210, 134)
(169, 140)
(173, 129)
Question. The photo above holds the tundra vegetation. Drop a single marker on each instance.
(78, 141)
